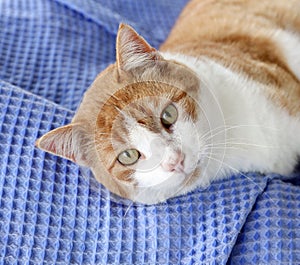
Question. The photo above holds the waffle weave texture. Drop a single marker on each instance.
(52, 213)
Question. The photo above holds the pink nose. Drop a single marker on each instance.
(174, 162)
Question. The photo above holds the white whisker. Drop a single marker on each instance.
(227, 145)
(127, 209)
(226, 128)
(238, 172)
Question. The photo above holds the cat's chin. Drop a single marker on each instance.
(178, 185)
(160, 192)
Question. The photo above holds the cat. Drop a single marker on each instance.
(220, 96)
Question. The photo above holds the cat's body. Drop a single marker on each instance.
(221, 96)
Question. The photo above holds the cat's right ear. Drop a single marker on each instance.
(64, 142)
(132, 49)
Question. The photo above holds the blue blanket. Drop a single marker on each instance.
(53, 213)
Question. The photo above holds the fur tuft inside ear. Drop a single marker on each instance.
(59, 142)
(132, 50)
(62, 142)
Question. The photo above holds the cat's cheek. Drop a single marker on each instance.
(191, 167)
(191, 148)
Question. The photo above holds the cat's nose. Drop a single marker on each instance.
(174, 162)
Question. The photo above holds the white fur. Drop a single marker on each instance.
(289, 44)
(239, 129)
(158, 148)
(266, 132)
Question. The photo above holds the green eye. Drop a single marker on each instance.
(169, 116)
(129, 157)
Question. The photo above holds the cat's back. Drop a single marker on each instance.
(257, 38)
(217, 20)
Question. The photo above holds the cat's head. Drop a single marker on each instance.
(138, 124)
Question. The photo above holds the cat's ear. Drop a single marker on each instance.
(62, 142)
(132, 50)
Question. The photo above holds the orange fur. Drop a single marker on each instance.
(237, 34)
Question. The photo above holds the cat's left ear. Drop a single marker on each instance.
(132, 50)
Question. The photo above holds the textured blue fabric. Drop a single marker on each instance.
(272, 230)
(52, 213)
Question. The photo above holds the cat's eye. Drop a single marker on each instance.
(129, 157)
(169, 116)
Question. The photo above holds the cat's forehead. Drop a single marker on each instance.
(141, 98)
(139, 103)
(119, 88)
(145, 110)
(142, 102)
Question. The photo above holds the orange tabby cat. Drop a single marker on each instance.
(221, 96)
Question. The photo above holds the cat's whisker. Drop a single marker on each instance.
(241, 173)
(212, 131)
(228, 145)
(229, 127)
(225, 149)
(217, 153)
(226, 128)
(228, 142)
(213, 134)
(127, 209)
(229, 139)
